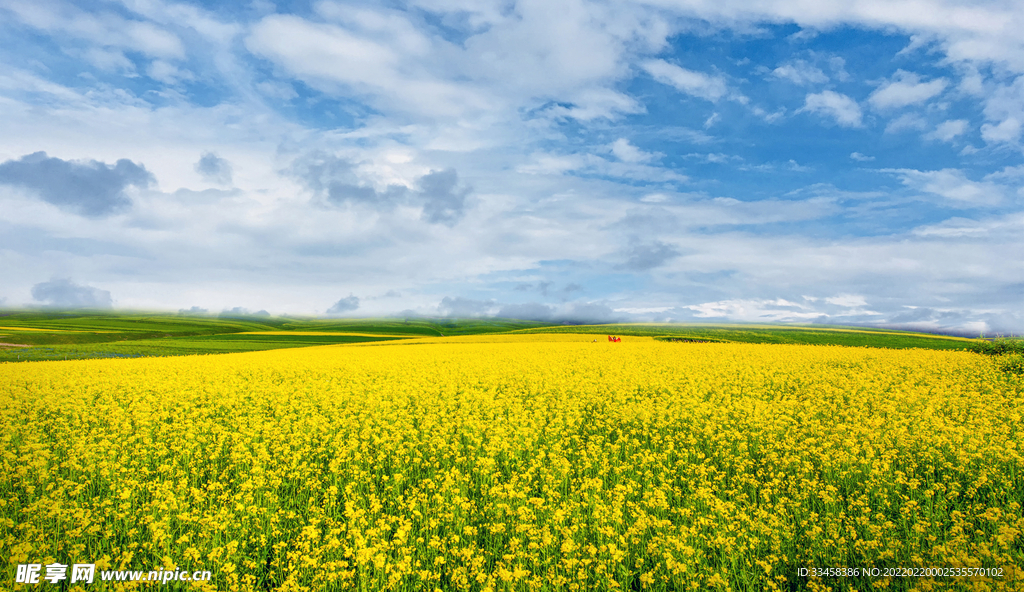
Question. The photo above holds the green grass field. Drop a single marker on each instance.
(53, 335)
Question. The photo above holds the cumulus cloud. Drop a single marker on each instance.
(347, 304)
(90, 188)
(337, 180)
(861, 157)
(214, 169)
(697, 84)
(844, 110)
(905, 89)
(64, 293)
(1007, 130)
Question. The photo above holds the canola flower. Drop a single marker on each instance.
(537, 462)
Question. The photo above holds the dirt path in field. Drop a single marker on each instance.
(13, 345)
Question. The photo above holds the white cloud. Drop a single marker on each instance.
(545, 49)
(552, 62)
(595, 103)
(755, 310)
(645, 310)
(838, 67)
(14, 80)
(1012, 174)
(769, 117)
(800, 72)
(905, 89)
(593, 164)
(714, 157)
(697, 84)
(1005, 109)
(907, 121)
(844, 110)
(953, 185)
(324, 52)
(394, 77)
(277, 90)
(966, 228)
(861, 157)
(1008, 130)
(109, 60)
(167, 73)
(627, 152)
(847, 300)
(794, 166)
(655, 198)
(104, 30)
(152, 40)
(972, 83)
(947, 131)
(986, 32)
(553, 164)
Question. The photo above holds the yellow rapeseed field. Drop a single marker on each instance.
(538, 462)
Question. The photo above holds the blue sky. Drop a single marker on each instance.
(783, 160)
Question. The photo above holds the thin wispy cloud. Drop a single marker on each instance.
(905, 88)
(836, 106)
(697, 84)
(947, 131)
(801, 73)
